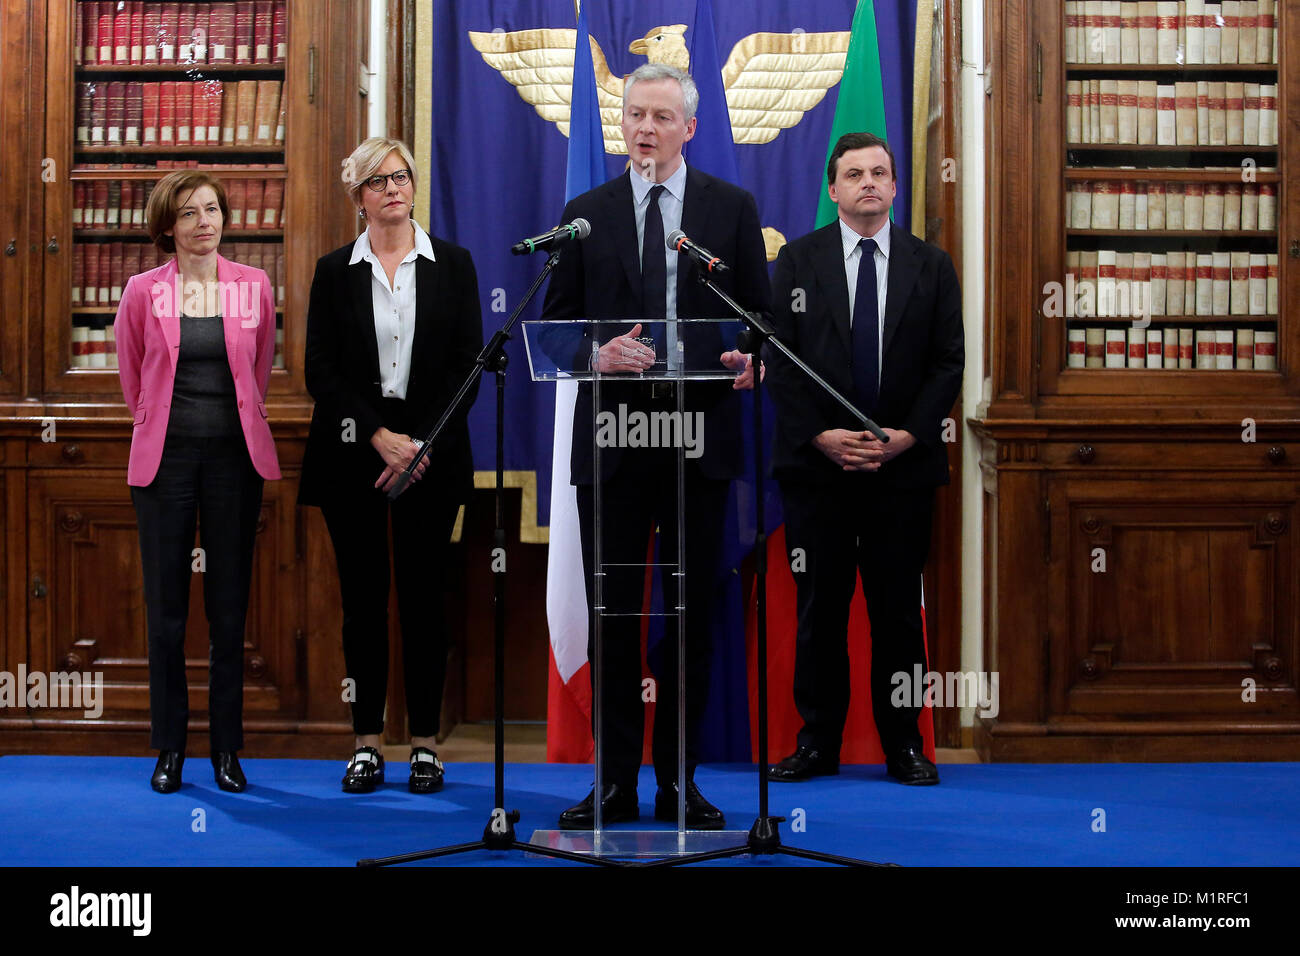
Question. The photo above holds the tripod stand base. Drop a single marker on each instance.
(628, 844)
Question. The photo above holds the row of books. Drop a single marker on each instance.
(134, 33)
(100, 270)
(1171, 32)
(120, 204)
(1192, 113)
(181, 113)
(1111, 284)
(1173, 348)
(95, 346)
(1142, 205)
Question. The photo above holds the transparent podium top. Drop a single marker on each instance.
(630, 349)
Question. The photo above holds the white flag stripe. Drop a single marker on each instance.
(566, 596)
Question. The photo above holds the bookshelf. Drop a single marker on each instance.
(1142, 427)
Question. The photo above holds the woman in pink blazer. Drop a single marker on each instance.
(195, 341)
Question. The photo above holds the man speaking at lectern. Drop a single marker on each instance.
(877, 312)
(625, 270)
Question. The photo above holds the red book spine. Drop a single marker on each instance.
(167, 113)
(184, 113)
(97, 267)
(78, 203)
(85, 105)
(150, 101)
(221, 33)
(131, 259)
(98, 113)
(116, 112)
(88, 31)
(134, 112)
(114, 273)
(202, 20)
(104, 34)
(98, 204)
(215, 93)
(263, 27)
(78, 272)
(185, 33)
(136, 10)
(113, 216)
(121, 36)
(152, 31)
(235, 193)
(273, 198)
(167, 32)
(244, 31)
(253, 194)
(280, 32)
(79, 36)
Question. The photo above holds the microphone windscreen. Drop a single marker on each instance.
(583, 228)
(674, 237)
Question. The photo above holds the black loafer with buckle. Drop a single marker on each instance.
(426, 771)
(365, 771)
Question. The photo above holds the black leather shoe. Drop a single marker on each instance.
(700, 814)
(365, 771)
(911, 767)
(619, 806)
(805, 762)
(167, 771)
(227, 772)
(426, 771)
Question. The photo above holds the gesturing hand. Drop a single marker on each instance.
(737, 360)
(624, 353)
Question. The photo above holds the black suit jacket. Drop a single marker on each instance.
(600, 278)
(342, 371)
(922, 355)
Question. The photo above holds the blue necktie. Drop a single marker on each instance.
(866, 330)
(654, 274)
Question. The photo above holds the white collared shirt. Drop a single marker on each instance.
(394, 309)
(671, 202)
(852, 258)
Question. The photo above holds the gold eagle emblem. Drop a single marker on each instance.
(771, 79)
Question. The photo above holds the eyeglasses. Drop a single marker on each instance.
(379, 183)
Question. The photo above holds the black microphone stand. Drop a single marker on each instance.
(499, 834)
(764, 836)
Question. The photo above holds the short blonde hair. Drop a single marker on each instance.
(165, 200)
(367, 158)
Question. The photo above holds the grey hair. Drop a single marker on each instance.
(663, 71)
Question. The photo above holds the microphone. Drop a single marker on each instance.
(677, 240)
(578, 229)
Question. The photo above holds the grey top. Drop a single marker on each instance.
(203, 397)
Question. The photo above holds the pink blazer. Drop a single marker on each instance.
(148, 333)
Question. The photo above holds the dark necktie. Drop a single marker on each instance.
(654, 274)
(866, 330)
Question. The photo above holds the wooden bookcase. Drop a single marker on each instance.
(1141, 565)
(70, 594)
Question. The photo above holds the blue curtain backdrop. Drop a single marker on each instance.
(498, 174)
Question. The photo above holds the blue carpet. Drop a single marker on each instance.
(99, 811)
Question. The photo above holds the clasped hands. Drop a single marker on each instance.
(624, 353)
(396, 450)
(862, 451)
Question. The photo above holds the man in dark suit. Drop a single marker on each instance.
(877, 312)
(624, 270)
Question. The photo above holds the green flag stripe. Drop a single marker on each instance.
(860, 106)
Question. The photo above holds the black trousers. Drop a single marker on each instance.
(210, 480)
(856, 524)
(641, 496)
(423, 517)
